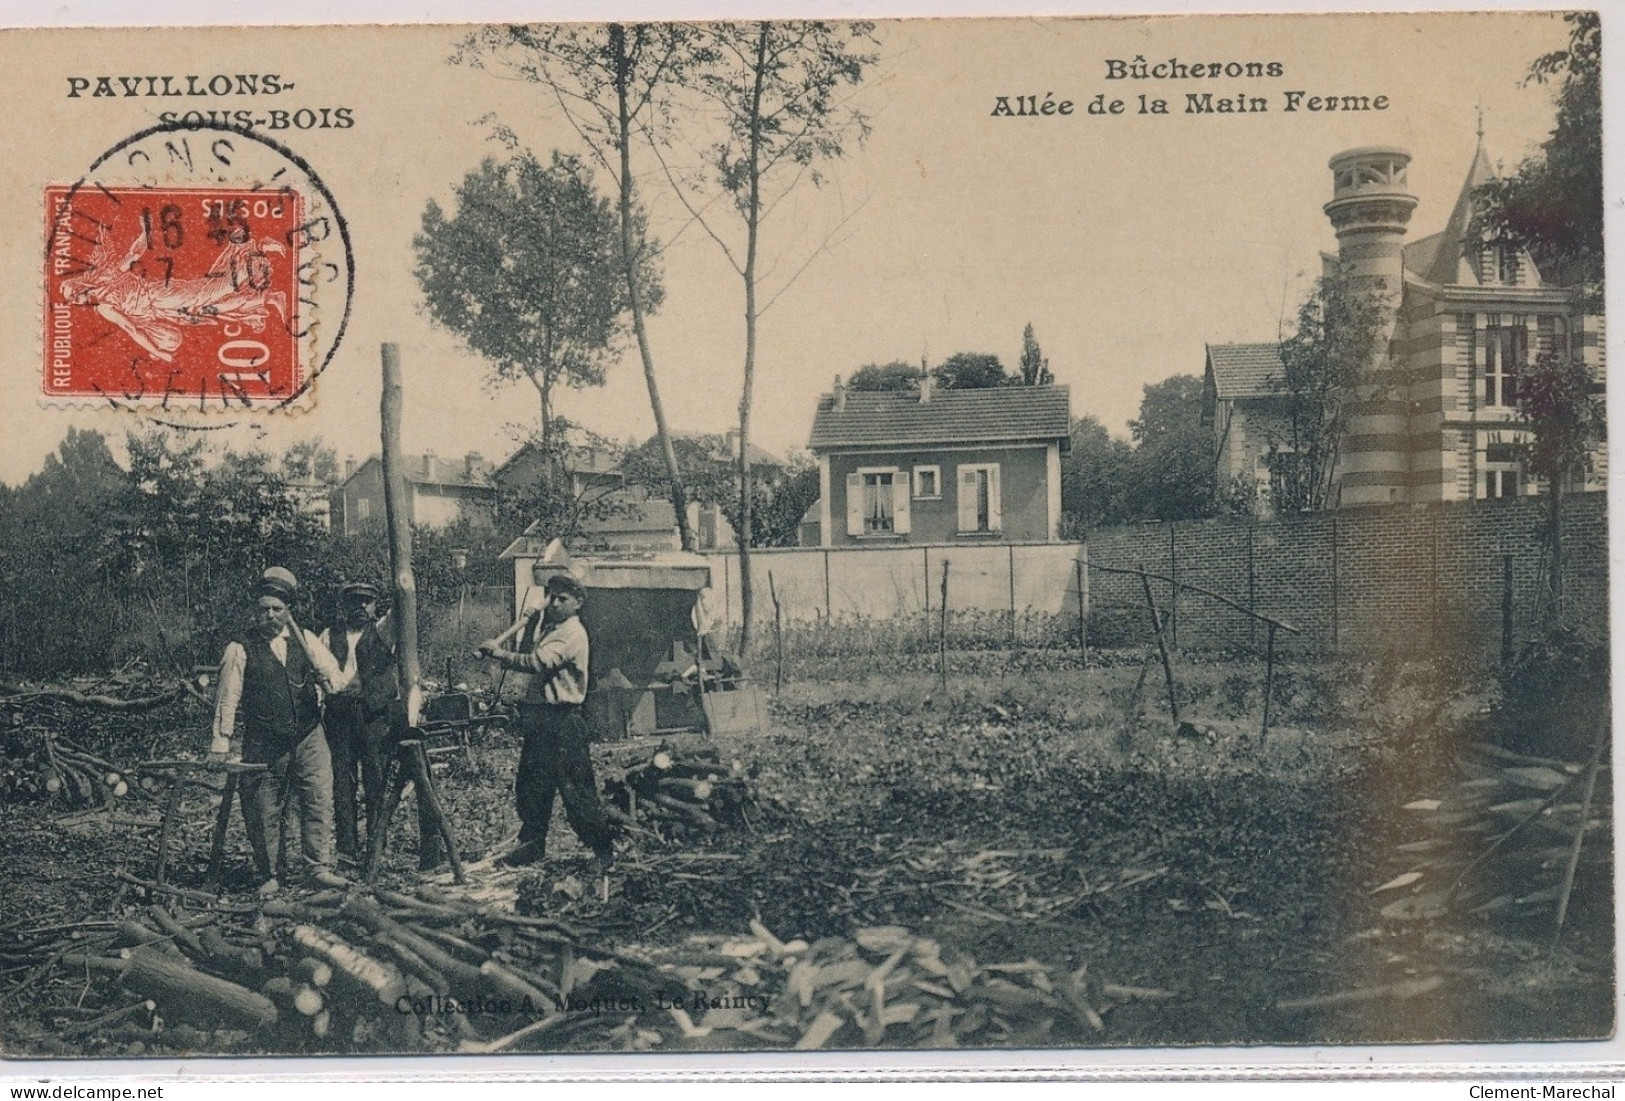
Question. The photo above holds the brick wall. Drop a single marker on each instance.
(1425, 577)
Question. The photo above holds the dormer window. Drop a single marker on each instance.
(1506, 265)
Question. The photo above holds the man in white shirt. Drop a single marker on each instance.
(554, 758)
(271, 679)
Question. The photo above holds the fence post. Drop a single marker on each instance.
(1162, 646)
(829, 609)
(1083, 618)
(1173, 588)
(942, 638)
(1506, 611)
(1433, 580)
(1337, 593)
(925, 559)
(1269, 681)
(1011, 548)
(778, 637)
(1252, 606)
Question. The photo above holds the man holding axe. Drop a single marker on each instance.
(554, 757)
(269, 679)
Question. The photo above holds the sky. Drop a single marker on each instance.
(1127, 241)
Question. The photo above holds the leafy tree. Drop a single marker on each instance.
(778, 510)
(610, 82)
(1095, 479)
(558, 506)
(528, 272)
(1326, 367)
(896, 375)
(1559, 403)
(1171, 477)
(1553, 204)
(311, 460)
(1034, 364)
(710, 474)
(972, 371)
(779, 88)
(54, 543)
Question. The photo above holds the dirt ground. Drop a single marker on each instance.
(1015, 817)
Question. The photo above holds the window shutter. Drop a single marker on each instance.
(854, 504)
(901, 506)
(995, 514)
(967, 498)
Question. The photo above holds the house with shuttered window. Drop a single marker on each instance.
(1465, 318)
(940, 466)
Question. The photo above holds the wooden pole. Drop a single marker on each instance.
(404, 615)
(1580, 830)
(1162, 647)
(400, 537)
(778, 635)
(1011, 557)
(1083, 618)
(222, 822)
(942, 635)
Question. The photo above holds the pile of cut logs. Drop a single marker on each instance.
(80, 777)
(689, 787)
(358, 971)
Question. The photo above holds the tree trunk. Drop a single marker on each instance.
(405, 612)
(753, 217)
(623, 142)
(544, 394)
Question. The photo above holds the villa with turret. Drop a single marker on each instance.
(1464, 316)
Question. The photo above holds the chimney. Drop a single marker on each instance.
(925, 390)
(733, 443)
(840, 395)
(428, 464)
(349, 468)
(472, 464)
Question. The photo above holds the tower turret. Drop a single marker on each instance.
(1370, 208)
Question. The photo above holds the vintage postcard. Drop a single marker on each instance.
(1005, 535)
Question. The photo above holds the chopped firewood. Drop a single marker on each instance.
(184, 991)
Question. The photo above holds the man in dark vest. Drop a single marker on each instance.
(270, 687)
(360, 720)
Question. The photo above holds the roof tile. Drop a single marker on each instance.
(1009, 414)
(1245, 370)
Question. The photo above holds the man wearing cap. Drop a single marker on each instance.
(357, 722)
(554, 757)
(269, 679)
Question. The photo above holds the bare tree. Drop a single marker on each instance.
(778, 89)
(612, 83)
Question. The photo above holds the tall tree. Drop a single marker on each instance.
(1553, 204)
(779, 89)
(1327, 366)
(972, 371)
(528, 272)
(613, 83)
(1096, 478)
(896, 375)
(1034, 364)
(1172, 473)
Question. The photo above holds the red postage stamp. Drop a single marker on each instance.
(184, 295)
